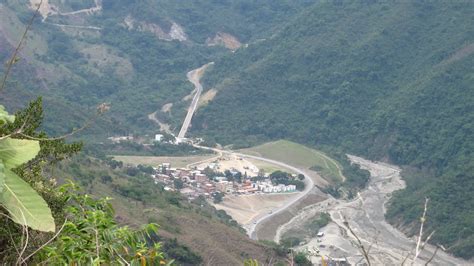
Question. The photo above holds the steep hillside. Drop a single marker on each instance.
(196, 227)
(389, 81)
(133, 54)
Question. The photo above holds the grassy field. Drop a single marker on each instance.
(268, 167)
(301, 156)
(156, 160)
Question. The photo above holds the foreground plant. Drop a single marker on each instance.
(91, 236)
(24, 205)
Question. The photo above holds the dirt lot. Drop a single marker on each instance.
(177, 162)
(268, 229)
(245, 208)
(228, 162)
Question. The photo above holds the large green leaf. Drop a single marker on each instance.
(25, 205)
(14, 152)
(4, 116)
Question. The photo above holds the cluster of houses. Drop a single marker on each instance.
(194, 182)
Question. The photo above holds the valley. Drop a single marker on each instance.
(289, 132)
(364, 215)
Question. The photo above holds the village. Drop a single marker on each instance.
(215, 179)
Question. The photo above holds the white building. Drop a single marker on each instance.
(159, 137)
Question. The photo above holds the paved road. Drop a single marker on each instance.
(309, 185)
(193, 76)
(365, 214)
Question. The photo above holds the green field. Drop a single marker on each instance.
(301, 156)
(268, 167)
(177, 162)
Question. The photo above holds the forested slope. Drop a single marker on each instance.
(390, 81)
(132, 54)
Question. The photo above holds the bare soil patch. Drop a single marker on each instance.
(245, 208)
(207, 97)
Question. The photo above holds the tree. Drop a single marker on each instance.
(218, 197)
(301, 259)
(106, 179)
(301, 177)
(229, 176)
(238, 177)
(178, 184)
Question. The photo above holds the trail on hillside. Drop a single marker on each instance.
(94, 9)
(47, 9)
(163, 126)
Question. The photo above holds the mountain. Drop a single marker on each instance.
(135, 56)
(389, 81)
(386, 80)
(132, 54)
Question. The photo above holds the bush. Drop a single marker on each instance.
(290, 242)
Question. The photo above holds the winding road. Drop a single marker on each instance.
(193, 76)
(309, 185)
(366, 213)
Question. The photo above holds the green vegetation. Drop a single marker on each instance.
(130, 148)
(25, 206)
(290, 242)
(385, 80)
(37, 206)
(317, 223)
(345, 179)
(92, 236)
(279, 177)
(301, 259)
(143, 72)
(301, 156)
(307, 231)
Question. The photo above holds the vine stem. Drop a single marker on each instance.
(18, 47)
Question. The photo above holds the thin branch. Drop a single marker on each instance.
(97, 245)
(405, 259)
(89, 122)
(364, 252)
(25, 230)
(101, 109)
(426, 241)
(16, 131)
(432, 257)
(124, 261)
(46, 243)
(420, 236)
(9, 232)
(18, 48)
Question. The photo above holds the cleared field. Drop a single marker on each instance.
(300, 156)
(156, 160)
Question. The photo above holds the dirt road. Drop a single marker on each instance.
(193, 76)
(92, 10)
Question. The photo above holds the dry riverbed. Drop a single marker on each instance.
(365, 215)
